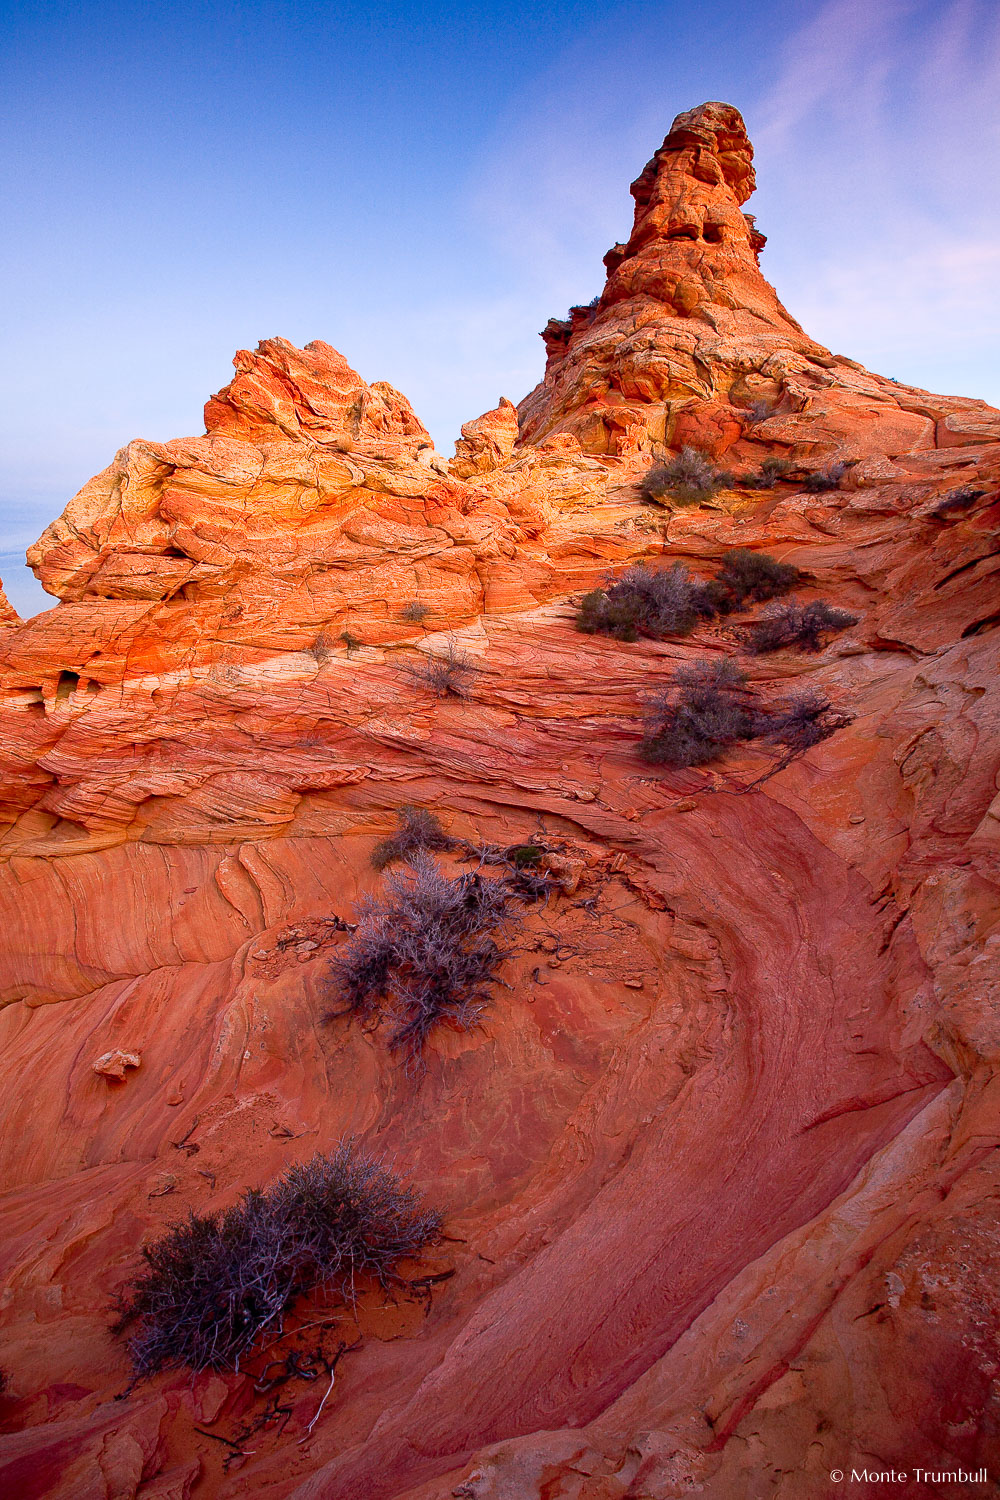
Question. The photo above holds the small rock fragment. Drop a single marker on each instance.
(566, 870)
(113, 1064)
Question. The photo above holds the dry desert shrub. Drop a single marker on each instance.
(213, 1284)
(425, 950)
(709, 707)
(449, 675)
(747, 577)
(418, 830)
(801, 722)
(704, 710)
(688, 479)
(759, 411)
(956, 501)
(825, 479)
(794, 625)
(768, 475)
(414, 611)
(643, 602)
(670, 602)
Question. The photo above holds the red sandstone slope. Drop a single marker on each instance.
(719, 1167)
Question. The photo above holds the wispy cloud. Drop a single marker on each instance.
(879, 141)
(551, 189)
(847, 40)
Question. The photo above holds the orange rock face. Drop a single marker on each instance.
(718, 1166)
(487, 443)
(8, 614)
(312, 394)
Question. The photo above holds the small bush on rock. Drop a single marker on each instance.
(214, 1283)
(706, 709)
(449, 675)
(688, 479)
(956, 501)
(602, 612)
(750, 578)
(825, 479)
(709, 707)
(415, 611)
(424, 952)
(801, 723)
(322, 647)
(771, 470)
(418, 829)
(670, 602)
(643, 602)
(806, 626)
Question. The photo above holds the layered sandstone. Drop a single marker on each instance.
(720, 1166)
(687, 336)
(486, 443)
(8, 614)
(314, 505)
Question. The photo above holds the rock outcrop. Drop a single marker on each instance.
(8, 614)
(313, 395)
(487, 443)
(292, 523)
(719, 1167)
(688, 342)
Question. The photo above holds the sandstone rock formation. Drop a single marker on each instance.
(115, 1064)
(689, 343)
(719, 1167)
(8, 614)
(487, 443)
(312, 394)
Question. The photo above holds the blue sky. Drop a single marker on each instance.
(424, 185)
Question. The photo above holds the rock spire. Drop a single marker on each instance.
(688, 342)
